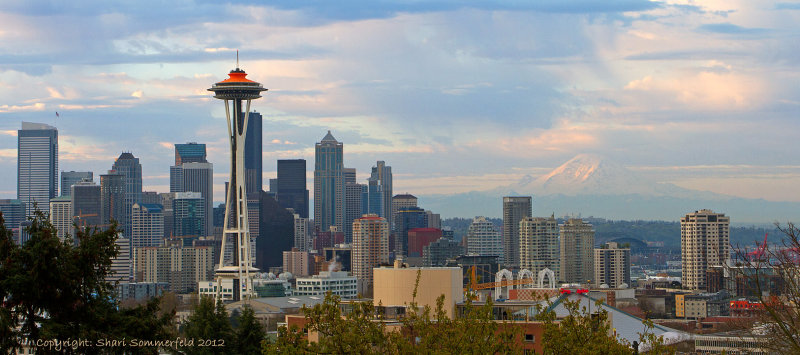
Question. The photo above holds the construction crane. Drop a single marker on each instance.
(475, 286)
(758, 254)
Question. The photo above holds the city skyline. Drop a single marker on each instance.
(682, 93)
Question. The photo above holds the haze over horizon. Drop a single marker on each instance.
(456, 97)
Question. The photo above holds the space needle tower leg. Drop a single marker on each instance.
(234, 91)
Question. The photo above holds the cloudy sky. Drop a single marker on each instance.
(454, 95)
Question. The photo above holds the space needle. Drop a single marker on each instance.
(236, 90)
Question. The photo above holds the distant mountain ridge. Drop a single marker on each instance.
(592, 185)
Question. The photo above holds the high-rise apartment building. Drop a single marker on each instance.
(302, 233)
(37, 166)
(515, 208)
(328, 184)
(398, 202)
(128, 166)
(576, 251)
(181, 267)
(86, 204)
(147, 225)
(112, 200)
(290, 186)
(612, 265)
(538, 244)
(69, 178)
(61, 215)
(379, 191)
(483, 238)
(705, 238)
(370, 249)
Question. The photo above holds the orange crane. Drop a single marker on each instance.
(475, 286)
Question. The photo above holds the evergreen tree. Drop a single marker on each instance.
(56, 289)
(250, 333)
(208, 328)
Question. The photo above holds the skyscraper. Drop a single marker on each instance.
(483, 238)
(352, 202)
(379, 189)
(13, 212)
(407, 218)
(612, 265)
(576, 251)
(193, 175)
(253, 154)
(128, 166)
(328, 184)
(37, 165)
(148, 225)
(370, 248)
(398, 202)
(538, 244)
(191, 152)
(291, 186)
(188, 213)
(69, 178)
(86, 204)
(112, 199)
(515, 208)
(705, 238)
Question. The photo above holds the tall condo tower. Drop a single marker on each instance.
(705, 241)
(515, 208)
(234, 91)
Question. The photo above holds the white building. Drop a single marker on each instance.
(483, 238)
(340, 283)
(61, 215)
(302, 233)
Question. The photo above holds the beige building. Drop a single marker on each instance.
(704, 243)
(576, 251)
(612, 265)
(370, 249)
(181, 267)
(538, 244)
(296, 262)
(61, 215)
(394, 286)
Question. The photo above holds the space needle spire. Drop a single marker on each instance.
(235, 91)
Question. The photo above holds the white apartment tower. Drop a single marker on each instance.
(483, 238)
(705, 242)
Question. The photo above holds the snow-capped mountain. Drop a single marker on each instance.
(593, 185)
